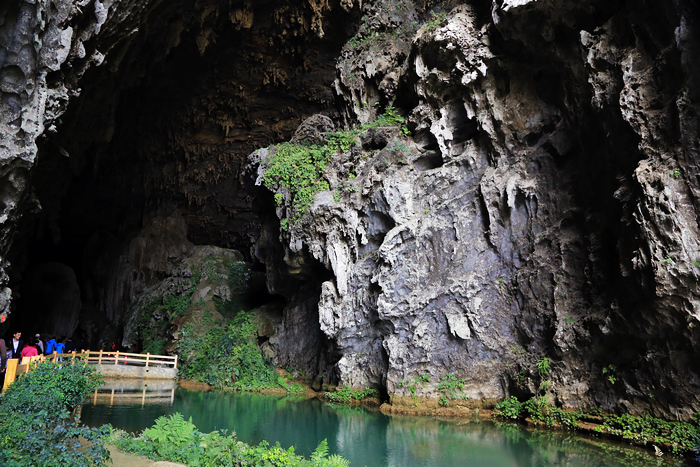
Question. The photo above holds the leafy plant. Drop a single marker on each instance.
(449, 387)
(682, 436)
(510, 408)
(668, 261)
(178, 440)
(412, 384)
(435, 20)
(299, 169)
(347, 394)
(610, 371)
(543, 366)
(38, 426)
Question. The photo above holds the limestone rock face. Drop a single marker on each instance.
(546, 208)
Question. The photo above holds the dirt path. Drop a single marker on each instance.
(120, 459)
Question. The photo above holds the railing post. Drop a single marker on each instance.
(148, 356)
(10, 372)
(99, 359)
(175, 362)
(116, 358)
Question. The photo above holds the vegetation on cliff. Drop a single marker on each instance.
(225, 353)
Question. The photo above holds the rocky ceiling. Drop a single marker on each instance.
(166, 121)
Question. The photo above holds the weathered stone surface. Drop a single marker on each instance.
(544, 213)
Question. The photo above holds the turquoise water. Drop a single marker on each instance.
(369, 438)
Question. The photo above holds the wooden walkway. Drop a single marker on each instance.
(103, 358)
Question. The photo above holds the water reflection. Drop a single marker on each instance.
(370, 438)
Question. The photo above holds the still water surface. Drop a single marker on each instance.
(366, 437)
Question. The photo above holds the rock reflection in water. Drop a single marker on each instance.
(369, 438)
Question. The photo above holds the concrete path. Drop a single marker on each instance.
(120, 459)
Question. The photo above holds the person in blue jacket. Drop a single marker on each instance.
(60, 346)
(50, 346)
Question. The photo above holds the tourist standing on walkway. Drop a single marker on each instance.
(50, 346)
(16, 344)
(39, 344)
(60, 346)
(29, 349)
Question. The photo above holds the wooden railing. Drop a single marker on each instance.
(93, 357)
(106, 357)
(16, 367)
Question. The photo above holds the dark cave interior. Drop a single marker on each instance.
(167, 125)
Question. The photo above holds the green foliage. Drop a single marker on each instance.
(226, 354)
(347, 394)
(37, 426)
(341, 141)
(449, 388)
(510, 408)
(610, 372)
(178, 440)
(299, 169)
(156, 347)
(676, 173)
(177, 304)
(668, 261)
(682, 436)
(226, 358)
(399, 147)
(539, 410)
(390, 117)
(239, 278)
(543, 366)
(435, 20)
(412, 384)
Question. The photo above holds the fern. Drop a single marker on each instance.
(320, 452)
(336, 460)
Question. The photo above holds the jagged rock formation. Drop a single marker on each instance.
(545, 205)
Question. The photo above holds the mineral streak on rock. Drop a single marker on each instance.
(544, 206)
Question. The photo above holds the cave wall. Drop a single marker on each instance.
(544, 206)
(547, 209)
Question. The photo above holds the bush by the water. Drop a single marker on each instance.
(225, 358)
(37, 424)
(176, 439)
(680, 436)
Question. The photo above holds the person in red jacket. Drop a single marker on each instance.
(29, 349)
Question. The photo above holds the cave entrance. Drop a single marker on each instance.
(164, 125)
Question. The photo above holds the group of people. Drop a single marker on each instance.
(16, 347)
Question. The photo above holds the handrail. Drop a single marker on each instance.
(101, 357)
